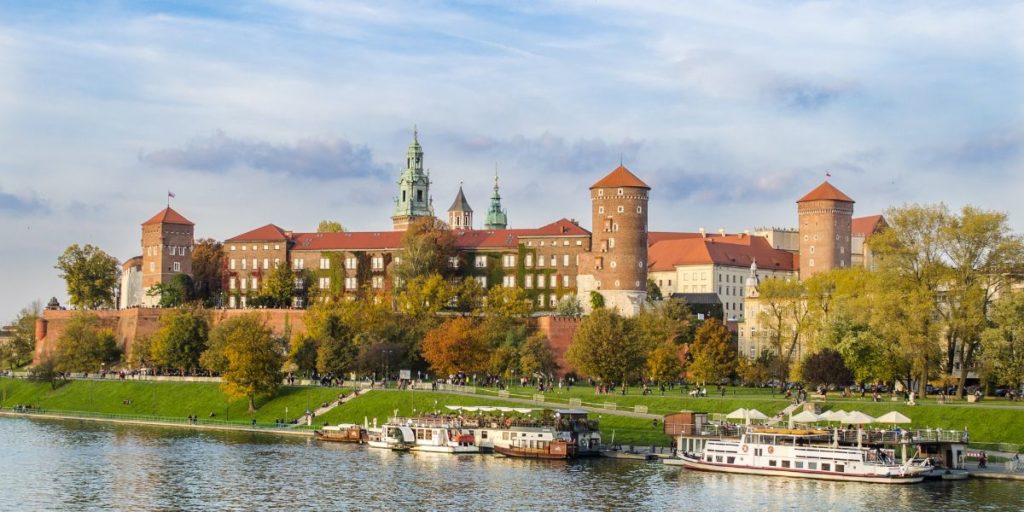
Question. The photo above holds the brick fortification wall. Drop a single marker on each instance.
(559, 330)
(128, 324)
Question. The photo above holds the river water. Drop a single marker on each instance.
(70, 465)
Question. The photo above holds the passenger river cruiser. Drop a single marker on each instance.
(425, 434)
(803, 454)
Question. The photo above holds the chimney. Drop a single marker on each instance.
(701, 231)
(721, 231)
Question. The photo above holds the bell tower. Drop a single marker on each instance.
(413, 200)
(460, 215)
(496, 217)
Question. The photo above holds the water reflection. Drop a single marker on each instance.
(69, 465)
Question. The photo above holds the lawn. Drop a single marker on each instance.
(160, 399)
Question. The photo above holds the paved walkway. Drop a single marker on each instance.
(325, 409)
(535, 403)
(154, 423)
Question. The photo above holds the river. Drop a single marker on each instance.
(71, 465)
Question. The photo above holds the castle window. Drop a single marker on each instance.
(453, 262)
(508, 281)
(243, 247)
(811, 249)
(266, 263)
(277, 261)
(298, 283)
(579, 242)
(481, 262)
(325, 283)
(509, 260)
(419, 196)
(245, 283)
(482, 280)
(565, 260)
(554, 260)
(277, 247)
(616, 283)
(351, 283)
(232, 247)
(620, 192)
(232, 265)
(811, 262)
(231, 302)
(611, 243)
(639, 209)
(529, 281)
(172, 250)
(378, 282)
(621, 208)
(177, 266)
(529, 260)
(552, 299)
(565, 242)
(231, 283)
(243, 301)
(325, 264)
(612, 264)
(565, 280)
(266, 247)
(245, 264)
(298, 264)
(255, 282)
(254, 266)
(540, 260)
(377, 263)
(600, 191)
(403, 196)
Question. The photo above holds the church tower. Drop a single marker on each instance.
(167, 240)
(616, 266)
(496, 217)
(460, 215)
(413, 200)
(826, 223)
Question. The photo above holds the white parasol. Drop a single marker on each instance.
(858, 418)
(892, 417)
(806, 417)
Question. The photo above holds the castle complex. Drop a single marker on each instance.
(561, 259)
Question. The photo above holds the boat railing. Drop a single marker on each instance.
(712, 430)
(440, 422)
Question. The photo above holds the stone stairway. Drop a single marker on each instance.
(785, 414)
(335, 403)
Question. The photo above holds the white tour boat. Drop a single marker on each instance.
(800, 453)
(423, 434)
(558, 434)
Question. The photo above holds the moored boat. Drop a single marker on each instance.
(558, 434)
(343, 433)
(802, 454)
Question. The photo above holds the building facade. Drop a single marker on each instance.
(167, 242)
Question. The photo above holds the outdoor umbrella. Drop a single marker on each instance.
(754, 414)
(738, 414)
(806, 417)
(858, 418)
(892, 417)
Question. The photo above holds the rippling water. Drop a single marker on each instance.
(88, 466)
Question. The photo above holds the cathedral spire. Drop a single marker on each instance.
(496, 217)
(413, 198)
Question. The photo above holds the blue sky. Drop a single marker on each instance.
(295, 111)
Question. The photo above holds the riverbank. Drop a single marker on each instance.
(157, 422)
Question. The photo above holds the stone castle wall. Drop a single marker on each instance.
(560, 331)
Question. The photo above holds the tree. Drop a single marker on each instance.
(180, 340)
(423, 297)
(303, 354)
(45, 371)
(278, 286)
(505, 311)
(18, 349)
(85, 345)
(138, 356)
(174, 293)
(826, 367)
(469, 295)
(215, 358)
(504, 362)
(569, 306)
(596, 300)
(604, 348)
(653, 291)
(760, 370)
(714, 356)
(457, 345)
(330, 226)
(207, 271)
(427, 245)
(664, 363)
(254, 358)
(1004, 341)
(536, 357)
(784, 314)
(336, 354)
(91, 276)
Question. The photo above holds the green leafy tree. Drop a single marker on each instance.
(604, 348)
(303, 353)
(254, 358)
(536, 357)
(504, 362)
(469, 295)
(138, 353)
(423, 297)
(653, 291)
(45, 371)
(826, 367)
(596, 300)
(569, 306)
(215, 358)
(91, 276)
(180, 340)
(664, 363)
(337, 353)
(427, 245)
(85, 345)
(174, 293)
(17, 350)
(278, 286)
(760, 370)
(1004, 340)
(784, 315)
(505, 311)
(714, 356)
(330, 226)
(207, 271)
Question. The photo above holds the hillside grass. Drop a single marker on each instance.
(161, 399)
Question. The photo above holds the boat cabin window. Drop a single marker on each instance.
(812, 465)
(771, 463)
(718, 458)
(785, 463)
(504, 435)
(483, 434)
(798, 464)
(840, 468)
(731, 460)
(826, 467)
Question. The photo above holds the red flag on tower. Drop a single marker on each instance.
(170, 194)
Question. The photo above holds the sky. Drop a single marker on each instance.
(294, 111)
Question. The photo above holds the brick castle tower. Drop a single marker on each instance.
(826, 218)
(167, 241)
(616, 266)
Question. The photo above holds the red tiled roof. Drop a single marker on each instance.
(349, 240)
(825, 192)
(731, 250)
(866, 226)
(168, 216)
(464, 238)
(620, 177)
(268, 232)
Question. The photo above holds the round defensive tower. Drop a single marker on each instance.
(826, 223)
(619, 240)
